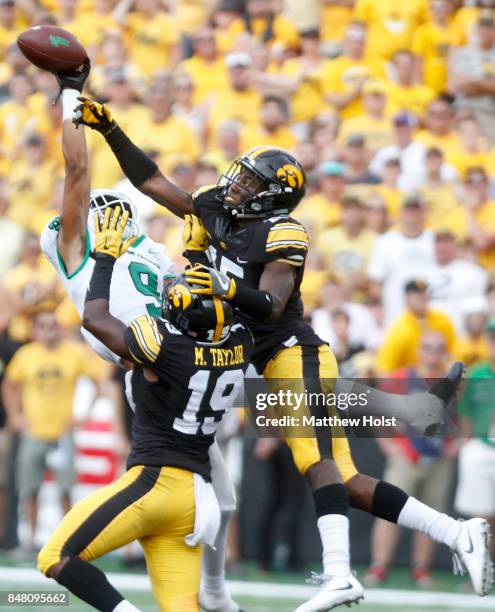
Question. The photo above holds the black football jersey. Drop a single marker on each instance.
(242, 249)
(177, 416)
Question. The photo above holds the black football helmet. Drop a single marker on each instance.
(205, 318)
(266, 180)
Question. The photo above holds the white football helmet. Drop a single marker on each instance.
(101, 199)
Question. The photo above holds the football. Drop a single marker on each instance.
(51, 48)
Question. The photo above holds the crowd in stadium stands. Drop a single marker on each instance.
(389, 106)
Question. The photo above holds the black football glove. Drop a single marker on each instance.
(73, 79)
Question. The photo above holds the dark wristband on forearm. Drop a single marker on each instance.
(135, 164)
(253, 302)
(196, 257)
(99, 285)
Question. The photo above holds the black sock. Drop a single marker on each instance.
(388, 501)
(89, 584)
(331, 499)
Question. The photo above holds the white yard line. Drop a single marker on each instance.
(272, 590)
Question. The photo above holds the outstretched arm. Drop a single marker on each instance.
(75, 204)
(142, 171)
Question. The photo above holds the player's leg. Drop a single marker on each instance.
(105, 520)
(214, 595)
(468, 541)
(173, 566)
(296, 369)
(174, 570)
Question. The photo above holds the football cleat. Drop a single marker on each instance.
(470, 552)
(430, 416)
(217, 602)
(334, 591)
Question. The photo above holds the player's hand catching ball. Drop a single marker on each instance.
(210, 281)
(109, 233)
(194, 234)
(74, 79)
(94, 115)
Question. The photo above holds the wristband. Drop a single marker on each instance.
(99, 285)
(69, 103)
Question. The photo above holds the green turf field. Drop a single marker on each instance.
(262, 592)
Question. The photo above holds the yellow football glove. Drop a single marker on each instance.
(94, 115)
(194, 234)
(210, 281)
(108, 235)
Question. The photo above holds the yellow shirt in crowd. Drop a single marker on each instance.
(392, 197)
(242, 106)
(485, 218)
(414, 99)
(208, 78)
(345, 255)
(317, 213)
(23, 281)
(48, 379)
(462, 160)
(307, 100)
(173, 136)
(31, 188)
(432, 43)
(391, 24)
(151, 41)
(444, 143)
(465, 22)
(444, 211)
(259, 137)
(334, 21)
(91, 29)
(191, 14)
(401, 343)
(471, 350)
(284, 32)
(341, 74)
(378, 133)
(17, 121)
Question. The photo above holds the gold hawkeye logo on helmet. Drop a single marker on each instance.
(291, 175)
(180, 296)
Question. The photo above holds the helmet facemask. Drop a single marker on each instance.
(256, 193)
(101, 199)
(263, 182)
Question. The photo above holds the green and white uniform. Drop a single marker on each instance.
(137, 281)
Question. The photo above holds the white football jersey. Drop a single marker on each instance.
(137, 281)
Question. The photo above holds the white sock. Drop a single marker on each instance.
(69, 103)
(125, 606)
(213, 563)
(334, 534)
(440, 527)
